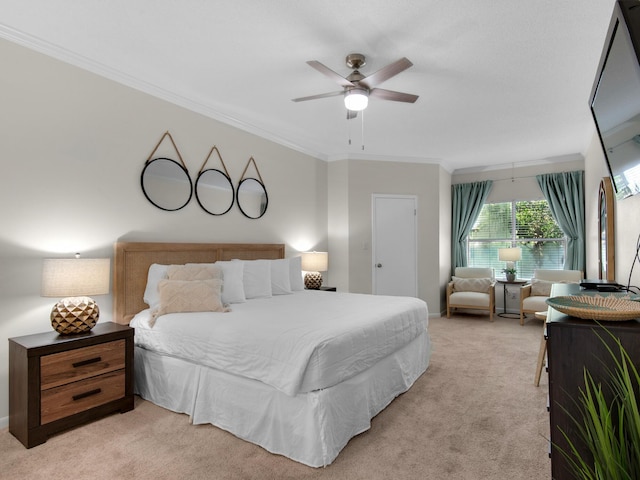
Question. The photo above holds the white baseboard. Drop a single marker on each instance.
(4, 422)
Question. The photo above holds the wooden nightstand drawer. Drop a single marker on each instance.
(79, 396)
(61, 368)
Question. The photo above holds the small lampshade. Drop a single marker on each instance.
(356, 99)
(509, 254)
(314, 263)
(73, 280)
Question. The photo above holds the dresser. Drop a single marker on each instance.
(60, 381)
(572, 345)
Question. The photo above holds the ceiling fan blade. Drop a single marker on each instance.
(393, 96)
(351, 114)
(314, 97)
(385, 73)
(340, 80)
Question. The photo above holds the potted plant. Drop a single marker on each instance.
(510, 273)
(608, 424)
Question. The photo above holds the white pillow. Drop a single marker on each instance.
(151, 294)
(256, 278)
(280, 283)
(232, 278)
(295, 274)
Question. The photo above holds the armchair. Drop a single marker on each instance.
(472, 288)
(534, 294)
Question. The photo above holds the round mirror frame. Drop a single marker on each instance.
(230, 186)
(186, 174)
(606, 231)
(266, 197)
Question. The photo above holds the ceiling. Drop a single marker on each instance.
(500, 83)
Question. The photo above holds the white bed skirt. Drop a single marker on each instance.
(310, 428)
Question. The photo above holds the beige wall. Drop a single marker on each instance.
(444, 253)
(519, 183)
(353, 182)
(73, 146)
(338, 225)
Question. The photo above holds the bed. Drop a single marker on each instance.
(297, 372)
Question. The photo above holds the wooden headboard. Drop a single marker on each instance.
(132, 261)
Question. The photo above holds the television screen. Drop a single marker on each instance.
(615, 101)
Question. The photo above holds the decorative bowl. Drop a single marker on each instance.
(613, 307)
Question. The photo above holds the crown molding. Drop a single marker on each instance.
(85, 63)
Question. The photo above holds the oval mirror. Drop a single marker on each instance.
(252, 198)
(214, 191)
(166, 184)
(606, 252)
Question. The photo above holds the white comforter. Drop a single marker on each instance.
(296, 343)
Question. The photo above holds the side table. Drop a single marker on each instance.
(504, 283)
(57, 382)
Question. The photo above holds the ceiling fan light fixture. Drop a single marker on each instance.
(356, 99)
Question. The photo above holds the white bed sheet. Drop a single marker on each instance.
(306, 341)
(311, 428)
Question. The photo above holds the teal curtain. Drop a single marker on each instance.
(467, 200)
(565, 194)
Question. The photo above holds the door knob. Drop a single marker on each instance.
(379, 265)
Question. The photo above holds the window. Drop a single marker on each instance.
(525, 224)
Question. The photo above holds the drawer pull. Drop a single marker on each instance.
(80, 396)
(86, 362)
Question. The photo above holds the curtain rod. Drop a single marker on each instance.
(514, 178)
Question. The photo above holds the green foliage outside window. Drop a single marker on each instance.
(525, 224)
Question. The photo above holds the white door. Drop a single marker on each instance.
(394, 245)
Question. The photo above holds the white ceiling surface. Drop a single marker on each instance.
(500, 81)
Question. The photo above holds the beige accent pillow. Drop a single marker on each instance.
(189, 296)
(471, 284)
(541, 288)
(194, 271)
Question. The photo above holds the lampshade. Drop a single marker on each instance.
(356, 99)
(509, 254)
(75, 277)
(315, 261)
(73, 280)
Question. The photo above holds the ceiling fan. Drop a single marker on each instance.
(357, 88)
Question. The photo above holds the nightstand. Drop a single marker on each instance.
(60, 381)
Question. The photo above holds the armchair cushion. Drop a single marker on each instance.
(537, 303)
(480, 285)
(540, 287)
(470, 299)
(473, 272)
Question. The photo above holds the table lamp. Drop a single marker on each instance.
(313, 263)
(73, 280)
(511, 256)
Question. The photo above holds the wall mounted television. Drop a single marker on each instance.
(615, 98)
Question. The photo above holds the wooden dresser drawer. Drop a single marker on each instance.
(61, 368)
(66, 400)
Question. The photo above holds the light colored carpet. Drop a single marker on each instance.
(475, 414)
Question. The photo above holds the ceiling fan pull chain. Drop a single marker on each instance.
(362, 126)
